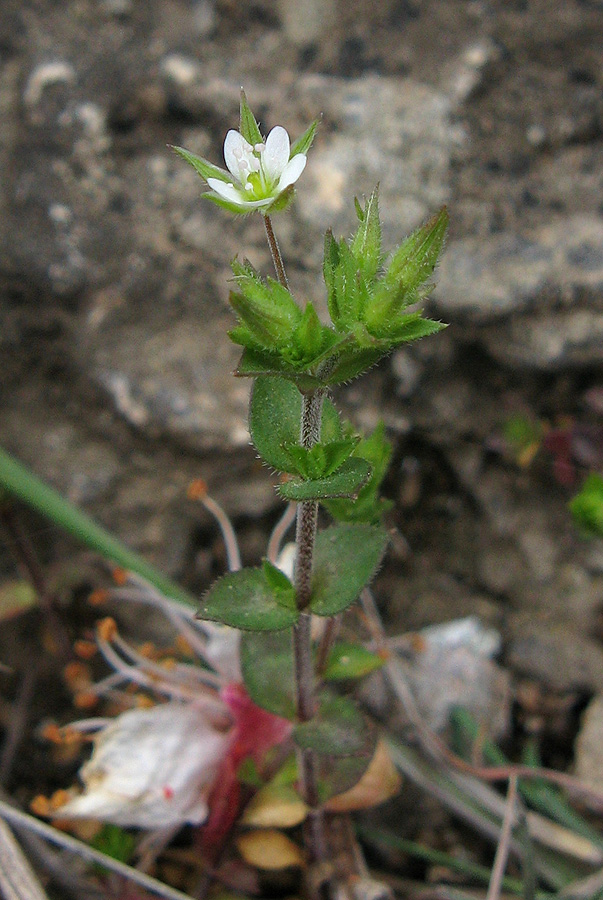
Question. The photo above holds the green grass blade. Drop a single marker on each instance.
(19, 482)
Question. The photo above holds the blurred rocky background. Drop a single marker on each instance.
(115, 382)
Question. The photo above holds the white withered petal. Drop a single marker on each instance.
(151, 768)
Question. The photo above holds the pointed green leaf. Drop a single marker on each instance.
(346, 558)
(246, 600)
(322, 459)
(265, 307)
(369, 505)
(352, 362)
(303, 143)
(349, 288)
(274, 420)
(416, 258)
(350, 661)
(268, 671)
(203, 167)
(307, 337)
(279, 583)
(345, 482)
(255, 363)
(337, 729)
(366, 245)
(411, 329)
(248, 126)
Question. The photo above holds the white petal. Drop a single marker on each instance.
(292, 171)
(276, 155)
(227, 191)
(151, 768)
(238, 156)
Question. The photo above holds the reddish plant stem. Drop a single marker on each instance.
(275, 252)
(307, 517)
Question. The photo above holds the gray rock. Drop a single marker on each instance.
(554, 653)
(489, 278)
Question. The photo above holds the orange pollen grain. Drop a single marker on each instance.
(77, 674)
(40, 806)
(120, 576)
(84, 649)
(85, 700)
(148, 650)
(52, 733)
(106, 629)
(97, 598)
(58, 799)
(197, 490)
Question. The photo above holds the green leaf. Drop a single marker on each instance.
(268, 671)
(280, 584)
(368, 506)
(274, 420)
(116, 842)
(366, 245)
(303, 143)
(203, 167)
(337, 729)
(248, 126)
(247, 600)
(307, 339)
(254, 363)
(322, 459)
(350, 661)
(353, 361)
(265, 307)
(416, 258)
(330, 264)
(346, 558)
(350, 291)
(345, 482)
(587, 506)
(410, 328)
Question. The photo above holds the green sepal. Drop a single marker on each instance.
(304, 142)
(348, 661)
(346, 558)
(274, 416)
(587, 506)
(268, 671)
(320, 460)
(337, 729)
(282, 202)
(345, 482)
(414, 261)
(203, 167)
(248, 773)
(226, 204)
(369, 506)
(247, 600)
(248, 126)
(366, 244)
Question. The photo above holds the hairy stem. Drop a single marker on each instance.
(305, 538)
(275, 252)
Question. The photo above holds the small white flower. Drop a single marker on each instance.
(260, 173)
(151, 768)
